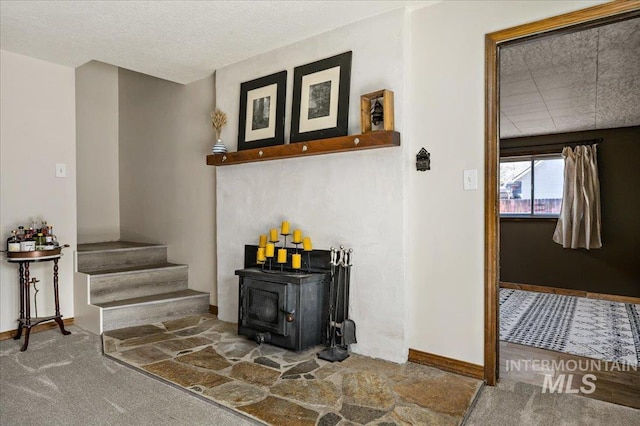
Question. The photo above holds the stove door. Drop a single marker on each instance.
(263, 306)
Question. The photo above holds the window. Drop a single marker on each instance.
(531, 186)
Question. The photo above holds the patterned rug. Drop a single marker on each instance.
(591, 328)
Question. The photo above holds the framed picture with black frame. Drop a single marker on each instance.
(321, 99)
(261, 121)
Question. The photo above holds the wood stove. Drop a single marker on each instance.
(285, 308)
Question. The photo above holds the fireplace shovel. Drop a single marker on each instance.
(348, 326)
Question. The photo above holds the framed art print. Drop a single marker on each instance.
(261, 121)
(321, 99)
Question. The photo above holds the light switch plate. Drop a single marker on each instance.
(470, 180)
(61, 170)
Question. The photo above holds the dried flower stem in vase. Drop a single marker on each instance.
(218, 121)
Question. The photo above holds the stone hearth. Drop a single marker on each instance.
(280, 387)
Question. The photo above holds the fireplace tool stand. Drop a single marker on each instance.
(342, 260)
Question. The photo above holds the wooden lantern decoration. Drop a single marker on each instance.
(370, 105)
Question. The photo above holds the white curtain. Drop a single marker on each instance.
(579, 222)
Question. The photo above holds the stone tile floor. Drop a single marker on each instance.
(280, 387)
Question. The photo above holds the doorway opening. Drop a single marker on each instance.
(570, 22)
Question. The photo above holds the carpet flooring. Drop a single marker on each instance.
(591, 328)
(280, 387)
(65, 380)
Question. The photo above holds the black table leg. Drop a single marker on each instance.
(21, 285)
(58, 318)
(27, 301)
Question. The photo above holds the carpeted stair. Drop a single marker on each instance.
(133, 284)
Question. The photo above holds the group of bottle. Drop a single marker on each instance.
(33, 238)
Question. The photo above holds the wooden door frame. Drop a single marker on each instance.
(492, 157)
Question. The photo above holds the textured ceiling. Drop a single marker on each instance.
(580, 81)
(584, 80)
(181, 41)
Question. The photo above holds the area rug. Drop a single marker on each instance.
(591, 328)
(275, 386)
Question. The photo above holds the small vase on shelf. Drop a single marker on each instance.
(219, 148)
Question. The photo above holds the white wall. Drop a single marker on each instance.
(355, 199)
(37, 113)
(167, 192)
(97, 152)
(446, 228)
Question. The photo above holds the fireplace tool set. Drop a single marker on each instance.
(341, 331)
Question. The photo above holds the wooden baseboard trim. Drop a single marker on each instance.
(213, 310)
(5, 335)
(543, 289)
(569, 292)
(447, 364)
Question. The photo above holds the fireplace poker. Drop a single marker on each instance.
(339, 263)
(348, 325)
(330, 328)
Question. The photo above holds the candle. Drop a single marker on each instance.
(282, 255)
(263, 240)
(273, 235)
(297, 236)
(296, 261)
(269, 250)
(261, 254)
(285, 228)
(306, 244)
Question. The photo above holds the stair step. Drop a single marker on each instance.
(96, 257)
(137, 281)
(152, 309)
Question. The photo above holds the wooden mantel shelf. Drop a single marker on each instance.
(378, 139)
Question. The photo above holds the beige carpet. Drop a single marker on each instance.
(280, 387)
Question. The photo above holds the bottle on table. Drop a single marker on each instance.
(44, 228)
(13, 244)
(48, 236)
(40, 241)
(54, 238)
(20, 233)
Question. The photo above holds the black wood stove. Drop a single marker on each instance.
(284, 307)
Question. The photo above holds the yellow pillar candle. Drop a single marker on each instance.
(297, 236)
(269, 250)
(296, 261)
(306, 244)
(273, 235)
(285, 228)
(282, 255)
(261, 254)
(262, 241)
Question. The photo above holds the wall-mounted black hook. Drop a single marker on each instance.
(423, 160)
